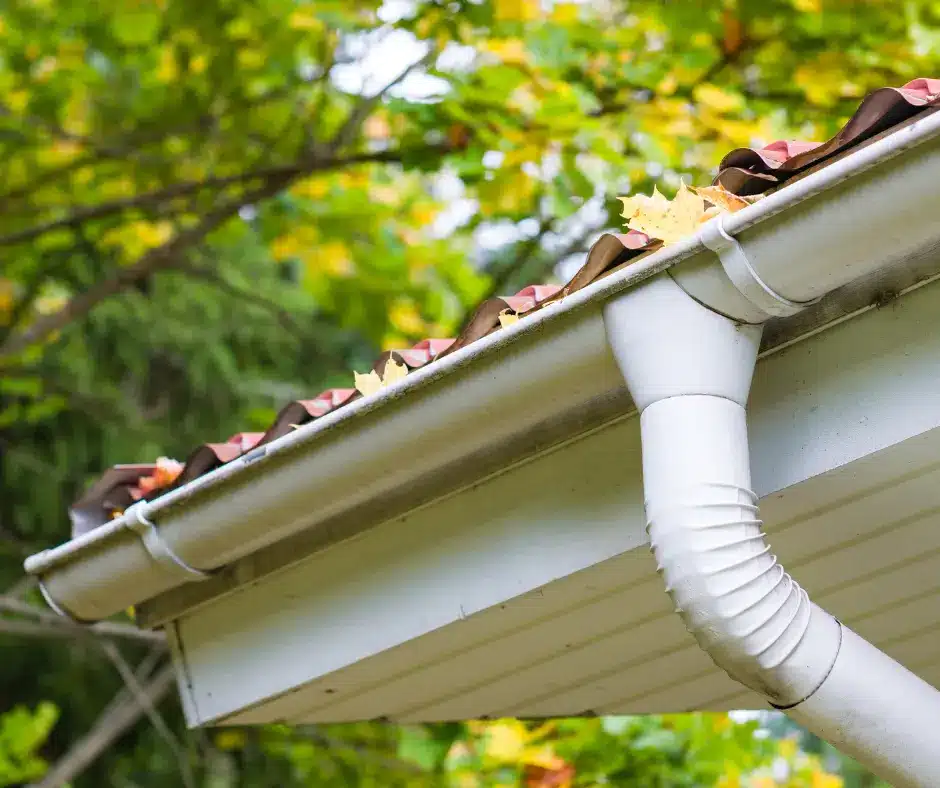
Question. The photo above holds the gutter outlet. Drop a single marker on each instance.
(689, 371)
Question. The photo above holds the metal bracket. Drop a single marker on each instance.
(158, 549)
(742, 274)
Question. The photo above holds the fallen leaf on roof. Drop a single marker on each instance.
(507, 318)
(668, 220)
(372, 382)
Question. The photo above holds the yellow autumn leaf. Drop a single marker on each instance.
(59, 152)
(198, 63)
(516, 10)
(371, 382)
(167, 68)
(311, 188)
(808, 6)
(787, 748)
(716, 99)
(17, 100)
(565, 13)
(721, 198)
(404, 316)
(393, 372)
(368, 383)
(423, 213)
(669, 221)
(239, 29)
(730, 780)
(284, 247)
(331, 257)
(230, 740)
(505, 741)
(507, 318)
(823, 780)
(250, 59)
(508, 50)
(304, 19)
(153, 234)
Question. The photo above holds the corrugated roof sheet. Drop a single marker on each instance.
(745, 172)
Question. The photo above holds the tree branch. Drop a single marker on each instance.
(156, 259)
(167, 255)
(108, 729)
(153, 199)
(52, 624)
(140, 695)
(366, 104)
(285, 318)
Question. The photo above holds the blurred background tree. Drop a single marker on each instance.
(208, 209)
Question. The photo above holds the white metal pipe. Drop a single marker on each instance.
(739, 603)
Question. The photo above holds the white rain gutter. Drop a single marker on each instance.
(836, 225)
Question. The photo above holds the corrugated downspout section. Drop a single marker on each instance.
(689, 371)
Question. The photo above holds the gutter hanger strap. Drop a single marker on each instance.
(158, 549)
(743, 275)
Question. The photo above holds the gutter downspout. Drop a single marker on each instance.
(689, 371)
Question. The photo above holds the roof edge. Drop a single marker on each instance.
(107, 569)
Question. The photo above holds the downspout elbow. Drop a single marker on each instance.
(689, 372)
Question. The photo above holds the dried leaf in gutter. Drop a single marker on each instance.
(668, 220)
(369, 383)
(372, 382)
(507, 318)
(393, 372)
(722, 199)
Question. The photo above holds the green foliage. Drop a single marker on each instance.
(22, 734)
(205, 213)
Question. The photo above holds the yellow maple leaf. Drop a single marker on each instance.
(367, 383)
(669, 221)
(721, 198)
(371, 382)
(393, 372)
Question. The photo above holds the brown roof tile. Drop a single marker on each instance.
(745, 172)
(748, 171)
